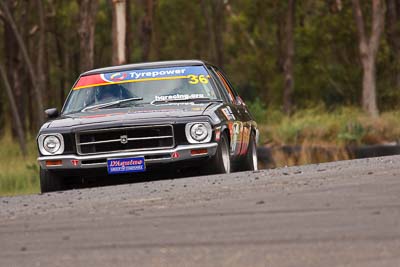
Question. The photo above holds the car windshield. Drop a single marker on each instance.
(143, 86)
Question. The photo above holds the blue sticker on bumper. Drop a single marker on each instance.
(126, 165)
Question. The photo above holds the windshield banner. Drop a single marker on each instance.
(184, 72)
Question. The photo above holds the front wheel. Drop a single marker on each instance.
(221, 162)
(50, 181)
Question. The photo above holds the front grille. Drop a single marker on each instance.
(125, 139)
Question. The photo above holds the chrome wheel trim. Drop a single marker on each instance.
(254, 156)
(225, 157)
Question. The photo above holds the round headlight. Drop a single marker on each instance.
(198, 132)
(51, 144)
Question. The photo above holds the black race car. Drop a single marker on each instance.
(136, 118)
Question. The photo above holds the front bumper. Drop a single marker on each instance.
(151, 157)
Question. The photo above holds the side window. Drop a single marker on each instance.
(229, 89)
(219, 84)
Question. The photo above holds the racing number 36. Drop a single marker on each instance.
(194, 79)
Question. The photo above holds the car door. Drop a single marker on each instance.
(239, 127)
(229, 111)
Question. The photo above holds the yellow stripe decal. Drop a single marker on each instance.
(132, 81)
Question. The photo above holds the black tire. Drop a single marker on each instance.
(50, 181)
(221, 162)
(250, 162)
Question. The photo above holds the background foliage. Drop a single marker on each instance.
(327, 70)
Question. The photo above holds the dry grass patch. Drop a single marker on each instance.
(18, 174)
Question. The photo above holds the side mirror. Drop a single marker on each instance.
(240, 101)
(51, 113)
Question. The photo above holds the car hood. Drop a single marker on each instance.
(131, 114)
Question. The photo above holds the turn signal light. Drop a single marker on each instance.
(175, 155)
(53, 162)
(198, 151)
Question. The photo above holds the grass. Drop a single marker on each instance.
(18, 175)
(322, 135)
(341, 127)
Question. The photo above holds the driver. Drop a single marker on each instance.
(108, 93)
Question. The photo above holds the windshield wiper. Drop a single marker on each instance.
(110, 104)
(207, 99)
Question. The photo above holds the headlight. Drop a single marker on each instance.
(198, 132)
(51, 144)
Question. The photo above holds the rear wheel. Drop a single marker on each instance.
(250, 162)
(50, 181)
(221, 162)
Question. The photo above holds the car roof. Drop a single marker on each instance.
(146, 65)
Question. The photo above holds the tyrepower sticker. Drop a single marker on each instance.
(194, 74)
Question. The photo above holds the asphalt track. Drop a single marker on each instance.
(337, 214)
